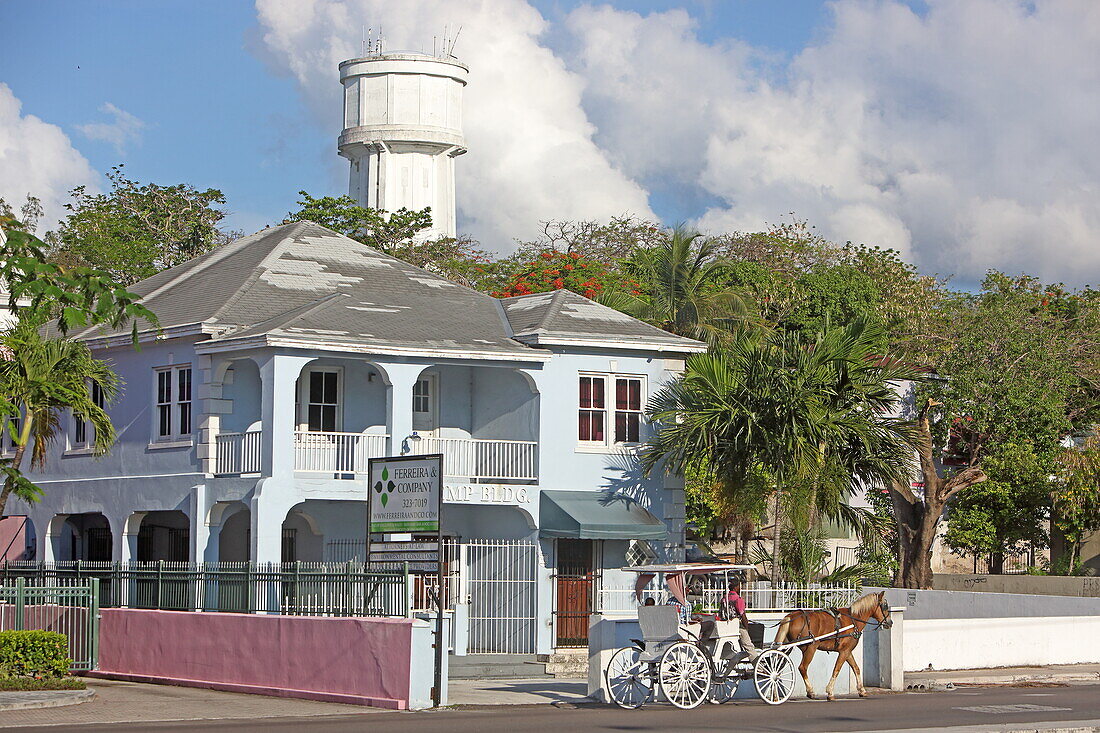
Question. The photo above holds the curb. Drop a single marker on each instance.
(45, 699)
(1007, 679)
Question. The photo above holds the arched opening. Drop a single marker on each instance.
(164, 536)
(302, 538)
(85, 537)
(484, 420)
(235, 538)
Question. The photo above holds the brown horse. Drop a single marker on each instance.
(800, 625)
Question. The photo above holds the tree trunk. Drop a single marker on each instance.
(776, 537)
(918, 517)
(997, 563)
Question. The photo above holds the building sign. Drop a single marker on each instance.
(488, 494)
(405, 493)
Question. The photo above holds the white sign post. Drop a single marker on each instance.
(405, 494)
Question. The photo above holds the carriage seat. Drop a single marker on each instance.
(660, 630)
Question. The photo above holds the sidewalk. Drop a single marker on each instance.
(1057, 673)
(517, 692)
(132, 702)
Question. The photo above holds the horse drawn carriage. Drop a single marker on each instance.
(691, 651)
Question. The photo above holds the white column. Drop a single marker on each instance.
(125, 533)
(279, 377)
(402, 378)
(50, 532)
(273, 499)
(200, 530)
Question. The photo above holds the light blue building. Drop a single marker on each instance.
(287, 358)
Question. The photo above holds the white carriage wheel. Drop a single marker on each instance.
(629, 680)
(684, 674)
(774, 676)
(724, 685)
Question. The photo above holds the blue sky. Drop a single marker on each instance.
(217, 116)
(961, 132)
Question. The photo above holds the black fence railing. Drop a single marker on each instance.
(295, 588)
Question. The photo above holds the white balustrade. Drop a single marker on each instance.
(333, 453)
(237, 453)
(482, 460)
(316, 452)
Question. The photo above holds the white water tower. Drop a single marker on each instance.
(403, 131)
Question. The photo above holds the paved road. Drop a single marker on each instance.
(989, 708)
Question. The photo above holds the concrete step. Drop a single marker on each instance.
(569, 664)
(496, 667)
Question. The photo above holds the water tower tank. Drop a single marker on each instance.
(402, 132)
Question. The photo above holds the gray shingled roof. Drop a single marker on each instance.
(565, 317)
(303, 283)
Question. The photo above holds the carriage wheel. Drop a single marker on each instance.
(774, 676)
(724, 685)
(629, 680)
(684, 674)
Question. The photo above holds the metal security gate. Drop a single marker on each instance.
(70, 608)
(499, 581)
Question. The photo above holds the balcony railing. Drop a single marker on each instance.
(336, 452)
(237, 453)
(475, 459)
(464, 459)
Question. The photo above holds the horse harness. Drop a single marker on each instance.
(836, 613)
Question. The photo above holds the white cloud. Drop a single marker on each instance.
(37, 158)
(123, 130)
(531, 156)
(964, 136)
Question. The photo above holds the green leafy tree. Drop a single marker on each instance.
(385, 231)
(1076, 497)
(136, 230)
(803, 420)
(676, 287)
(1006, 513)
(43, 378)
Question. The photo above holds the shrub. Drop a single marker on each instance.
(37, 654)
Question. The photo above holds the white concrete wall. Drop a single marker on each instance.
(982, 643)
(969, 630)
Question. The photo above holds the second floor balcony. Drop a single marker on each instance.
(482, 420)
(347, 455)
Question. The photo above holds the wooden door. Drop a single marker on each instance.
(575, 581)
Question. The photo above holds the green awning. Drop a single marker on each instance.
(591, 515)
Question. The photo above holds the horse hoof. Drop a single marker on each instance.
(811, 695)
(830, 698)
(863, 693)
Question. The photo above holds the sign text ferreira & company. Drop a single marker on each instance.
(405, 494)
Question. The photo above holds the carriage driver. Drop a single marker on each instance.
(735, 607)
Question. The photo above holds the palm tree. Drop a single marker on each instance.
(681, 289)
(806, 420)
(40, 379)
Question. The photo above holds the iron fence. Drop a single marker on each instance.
(759, 596)
(297, 588)
(68, 606)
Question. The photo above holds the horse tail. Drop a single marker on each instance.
(783, 630)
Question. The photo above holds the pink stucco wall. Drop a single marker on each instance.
(13, 538)
(355, 660)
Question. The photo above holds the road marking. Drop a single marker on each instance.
(1020, 708)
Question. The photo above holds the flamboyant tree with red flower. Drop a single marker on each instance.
(555, 270)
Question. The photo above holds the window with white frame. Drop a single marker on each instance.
(610, 409)
(592, 417)
(173, 408)
(322, 401)
(83, 433)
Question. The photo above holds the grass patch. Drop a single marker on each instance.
(29, 684)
